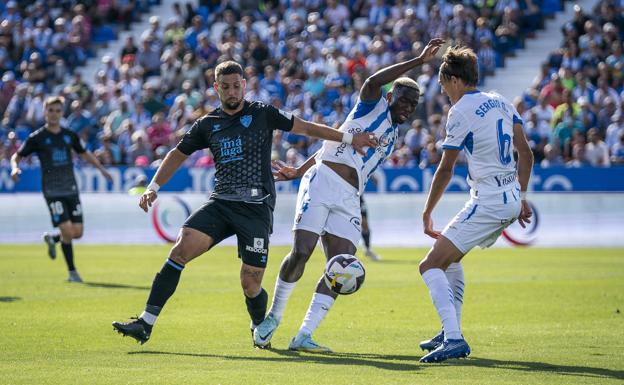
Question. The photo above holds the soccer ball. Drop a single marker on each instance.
(344, 274)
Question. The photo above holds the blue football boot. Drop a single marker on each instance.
(449, 349)
(433, 343)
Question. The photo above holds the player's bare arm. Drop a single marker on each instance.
(371, 90)
(441, 179)
(88, 156)
(359, 140)
(15, 170)
(167, 168)
(525, 165)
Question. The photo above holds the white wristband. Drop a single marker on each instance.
(153, 186)
(523, 195)
(347, 137)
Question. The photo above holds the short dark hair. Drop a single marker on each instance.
(227, 68)
(461, 62)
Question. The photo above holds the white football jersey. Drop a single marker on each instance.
(481, 123)
(373, 117)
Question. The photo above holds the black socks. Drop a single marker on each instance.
(68, 252)
(257, 307)
(164, 286)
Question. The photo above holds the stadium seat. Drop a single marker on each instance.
(550, 7)
(104, 34)
(204, 12)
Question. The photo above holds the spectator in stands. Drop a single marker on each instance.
(617, 151)
(615, 130)
(416, 139)
(552, 157)
(578, 157)
(159, 133)
(596, 151)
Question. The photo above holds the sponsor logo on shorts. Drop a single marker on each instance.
(355, 221)
(258, 247)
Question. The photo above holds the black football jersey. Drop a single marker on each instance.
(55, 157)
(241, 146)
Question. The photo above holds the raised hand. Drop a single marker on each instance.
(431, 49)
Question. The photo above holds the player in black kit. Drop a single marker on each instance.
(239, 134)
(53, 145)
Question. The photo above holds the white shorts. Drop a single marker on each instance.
(482, 221)
(326, 203)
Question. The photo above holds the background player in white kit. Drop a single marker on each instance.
(328, 204)
(488, 128)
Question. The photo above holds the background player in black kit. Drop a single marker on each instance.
(239, 134)
(53, 145)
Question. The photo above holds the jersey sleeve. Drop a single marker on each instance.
(77, 144)
(456, 130)
(517, 119)
(193, 140)
(28, 147)
(279, 119)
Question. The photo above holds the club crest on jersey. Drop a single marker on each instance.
(385, 139)
(246, 120)
(67, 139)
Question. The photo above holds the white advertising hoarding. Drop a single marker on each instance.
(562, 219)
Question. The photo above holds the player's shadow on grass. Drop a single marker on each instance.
(408, 362)
(10, 299)
(524, 366)
(415, 261)
(374, 360)
(106, 285)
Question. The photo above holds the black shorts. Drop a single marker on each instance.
(63, 209)
(252, 223)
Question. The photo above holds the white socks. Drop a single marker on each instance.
(455, 275)
(149, 318)
(281, 294)
(442, 297)
(320, 305)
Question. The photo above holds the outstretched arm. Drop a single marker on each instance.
(88, 156)
(441, 179)
(167, 168)
(371, 90)
(321, 131)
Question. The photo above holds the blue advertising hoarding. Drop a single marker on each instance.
(399, 180)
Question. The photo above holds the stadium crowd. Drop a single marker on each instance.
(574, 111)
(306, 56)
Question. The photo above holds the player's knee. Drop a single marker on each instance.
(78, 233)
(179, 254)
(300, 254)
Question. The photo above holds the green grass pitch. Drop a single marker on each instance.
(531, 316)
